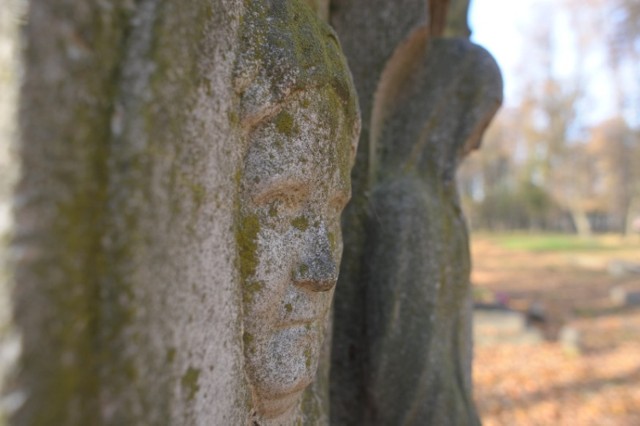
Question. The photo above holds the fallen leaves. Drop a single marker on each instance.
(595, 383)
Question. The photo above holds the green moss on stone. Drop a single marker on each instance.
(285, 124)
(198, 193)
(63, 385)
(247, 339)
(171, 355)
(190, 382)
(237, 178)
(288, 307)
(250, 289)
(308, 358)
(247, 241)
(233, 118)
(89, 284)
(305, 44)
(301, 223)
(332, 241)
(303, 269)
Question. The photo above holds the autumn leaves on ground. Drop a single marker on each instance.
(586, 369)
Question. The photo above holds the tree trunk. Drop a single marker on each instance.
(581, 222)
(631, 215)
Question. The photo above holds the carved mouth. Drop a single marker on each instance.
(306, 323)
(273, 407)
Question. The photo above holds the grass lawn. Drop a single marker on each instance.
(561, 242)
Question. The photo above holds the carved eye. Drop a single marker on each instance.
(283, 196)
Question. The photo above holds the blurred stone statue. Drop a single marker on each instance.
(434, 100)
(300, 122)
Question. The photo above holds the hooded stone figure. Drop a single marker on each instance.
(434, 100)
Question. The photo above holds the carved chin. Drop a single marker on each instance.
(282, 367)
(272, 408)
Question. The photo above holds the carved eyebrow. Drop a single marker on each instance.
(287, 190)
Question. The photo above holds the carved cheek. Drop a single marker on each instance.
(273, 260)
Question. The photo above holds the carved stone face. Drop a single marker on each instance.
(295, 183)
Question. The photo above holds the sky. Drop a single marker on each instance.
(498, 26)
(501, 26)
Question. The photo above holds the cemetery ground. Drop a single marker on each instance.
(562, 343)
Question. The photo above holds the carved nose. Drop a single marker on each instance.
(317, 269)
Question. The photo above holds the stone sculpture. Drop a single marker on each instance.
(300, 121)
(417, 259)
(177, 238)
(405, 352)
(183, 168)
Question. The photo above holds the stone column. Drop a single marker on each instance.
(126, 292)
(134, 240)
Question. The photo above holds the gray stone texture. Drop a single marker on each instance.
(457, 19)
(402, 330)
(176, 235)
(416, 249)
(300, 121)
(126, 295)
(380, 25)
(145, 130)
(10, 16)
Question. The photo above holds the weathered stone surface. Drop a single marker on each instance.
(300, 118)
(417, 261)
(321, 8)
(403, 354)
(457, 19)
(379, 25)
(184, 165)
(124, 253)
(9, 83)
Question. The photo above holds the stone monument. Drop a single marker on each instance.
(433, 99)
(416, 249)
(176, 235)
